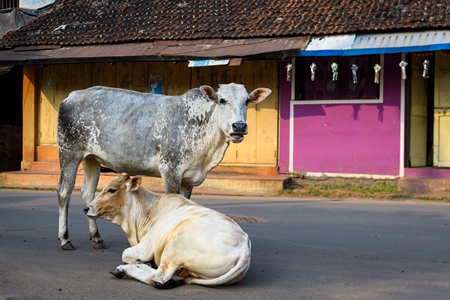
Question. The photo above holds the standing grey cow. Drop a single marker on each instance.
(179, 138)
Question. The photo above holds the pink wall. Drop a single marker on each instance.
(344, 138)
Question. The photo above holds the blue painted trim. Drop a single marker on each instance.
(322, 53)
(368, 51)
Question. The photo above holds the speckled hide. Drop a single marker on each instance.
(188, 242)
(179, 138)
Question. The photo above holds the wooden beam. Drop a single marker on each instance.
(30, 99)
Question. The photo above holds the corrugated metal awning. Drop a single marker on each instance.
(333, 45)
(401, 42)
(383, 43)
(156, 51)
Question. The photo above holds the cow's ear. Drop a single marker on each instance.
(124, 177)
(134, 184)
(209, 92)
(259, 95)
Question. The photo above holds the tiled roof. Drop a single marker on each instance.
(76, 22)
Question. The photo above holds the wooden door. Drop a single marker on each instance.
(418, 128)
(441, 153)
(54, 88)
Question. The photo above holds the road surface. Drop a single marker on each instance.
(301, 249)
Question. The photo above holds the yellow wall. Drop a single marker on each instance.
(259, 146)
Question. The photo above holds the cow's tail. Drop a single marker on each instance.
(234, 275)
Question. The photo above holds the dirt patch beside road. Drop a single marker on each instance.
(356, 188)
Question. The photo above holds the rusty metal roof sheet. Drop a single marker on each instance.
(239, 47)
(154, 51)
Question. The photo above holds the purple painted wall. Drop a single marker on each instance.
(344, 138)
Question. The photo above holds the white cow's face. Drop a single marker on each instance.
(112, 199)
(233, 100)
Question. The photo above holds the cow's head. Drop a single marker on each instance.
(232, 100)
(113, 199)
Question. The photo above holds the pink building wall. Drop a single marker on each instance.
(344, 138)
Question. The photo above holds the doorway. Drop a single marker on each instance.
(421, 129)
(441, 139)
(11, 118)
(429, 117)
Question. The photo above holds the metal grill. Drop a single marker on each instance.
(9, 3)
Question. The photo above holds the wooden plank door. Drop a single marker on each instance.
(441, 153)
(418, 127)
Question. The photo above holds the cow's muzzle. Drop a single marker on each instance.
(88, 211)
(239, 129)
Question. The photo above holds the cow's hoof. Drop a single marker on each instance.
(99, 245)
(116, 272)
(68, 246)
(170, 284)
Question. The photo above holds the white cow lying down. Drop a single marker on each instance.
(188, 242)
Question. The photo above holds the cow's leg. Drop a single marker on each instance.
(140, 252)
(186, 190)
(141, 272)
(158, 278)
(91, 169)
(64, 190)
(171, 176)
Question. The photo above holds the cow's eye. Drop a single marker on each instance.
(111, 191)
(247, 102)
(222, 101)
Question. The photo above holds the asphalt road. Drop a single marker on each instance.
(302, 249)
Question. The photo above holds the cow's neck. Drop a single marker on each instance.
(136, 221)
(215, 142)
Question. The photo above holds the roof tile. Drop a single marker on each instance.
(74, 22)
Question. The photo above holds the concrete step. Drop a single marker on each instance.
(433, 186)
(44, 166)
(215, 183)
(251, 170)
